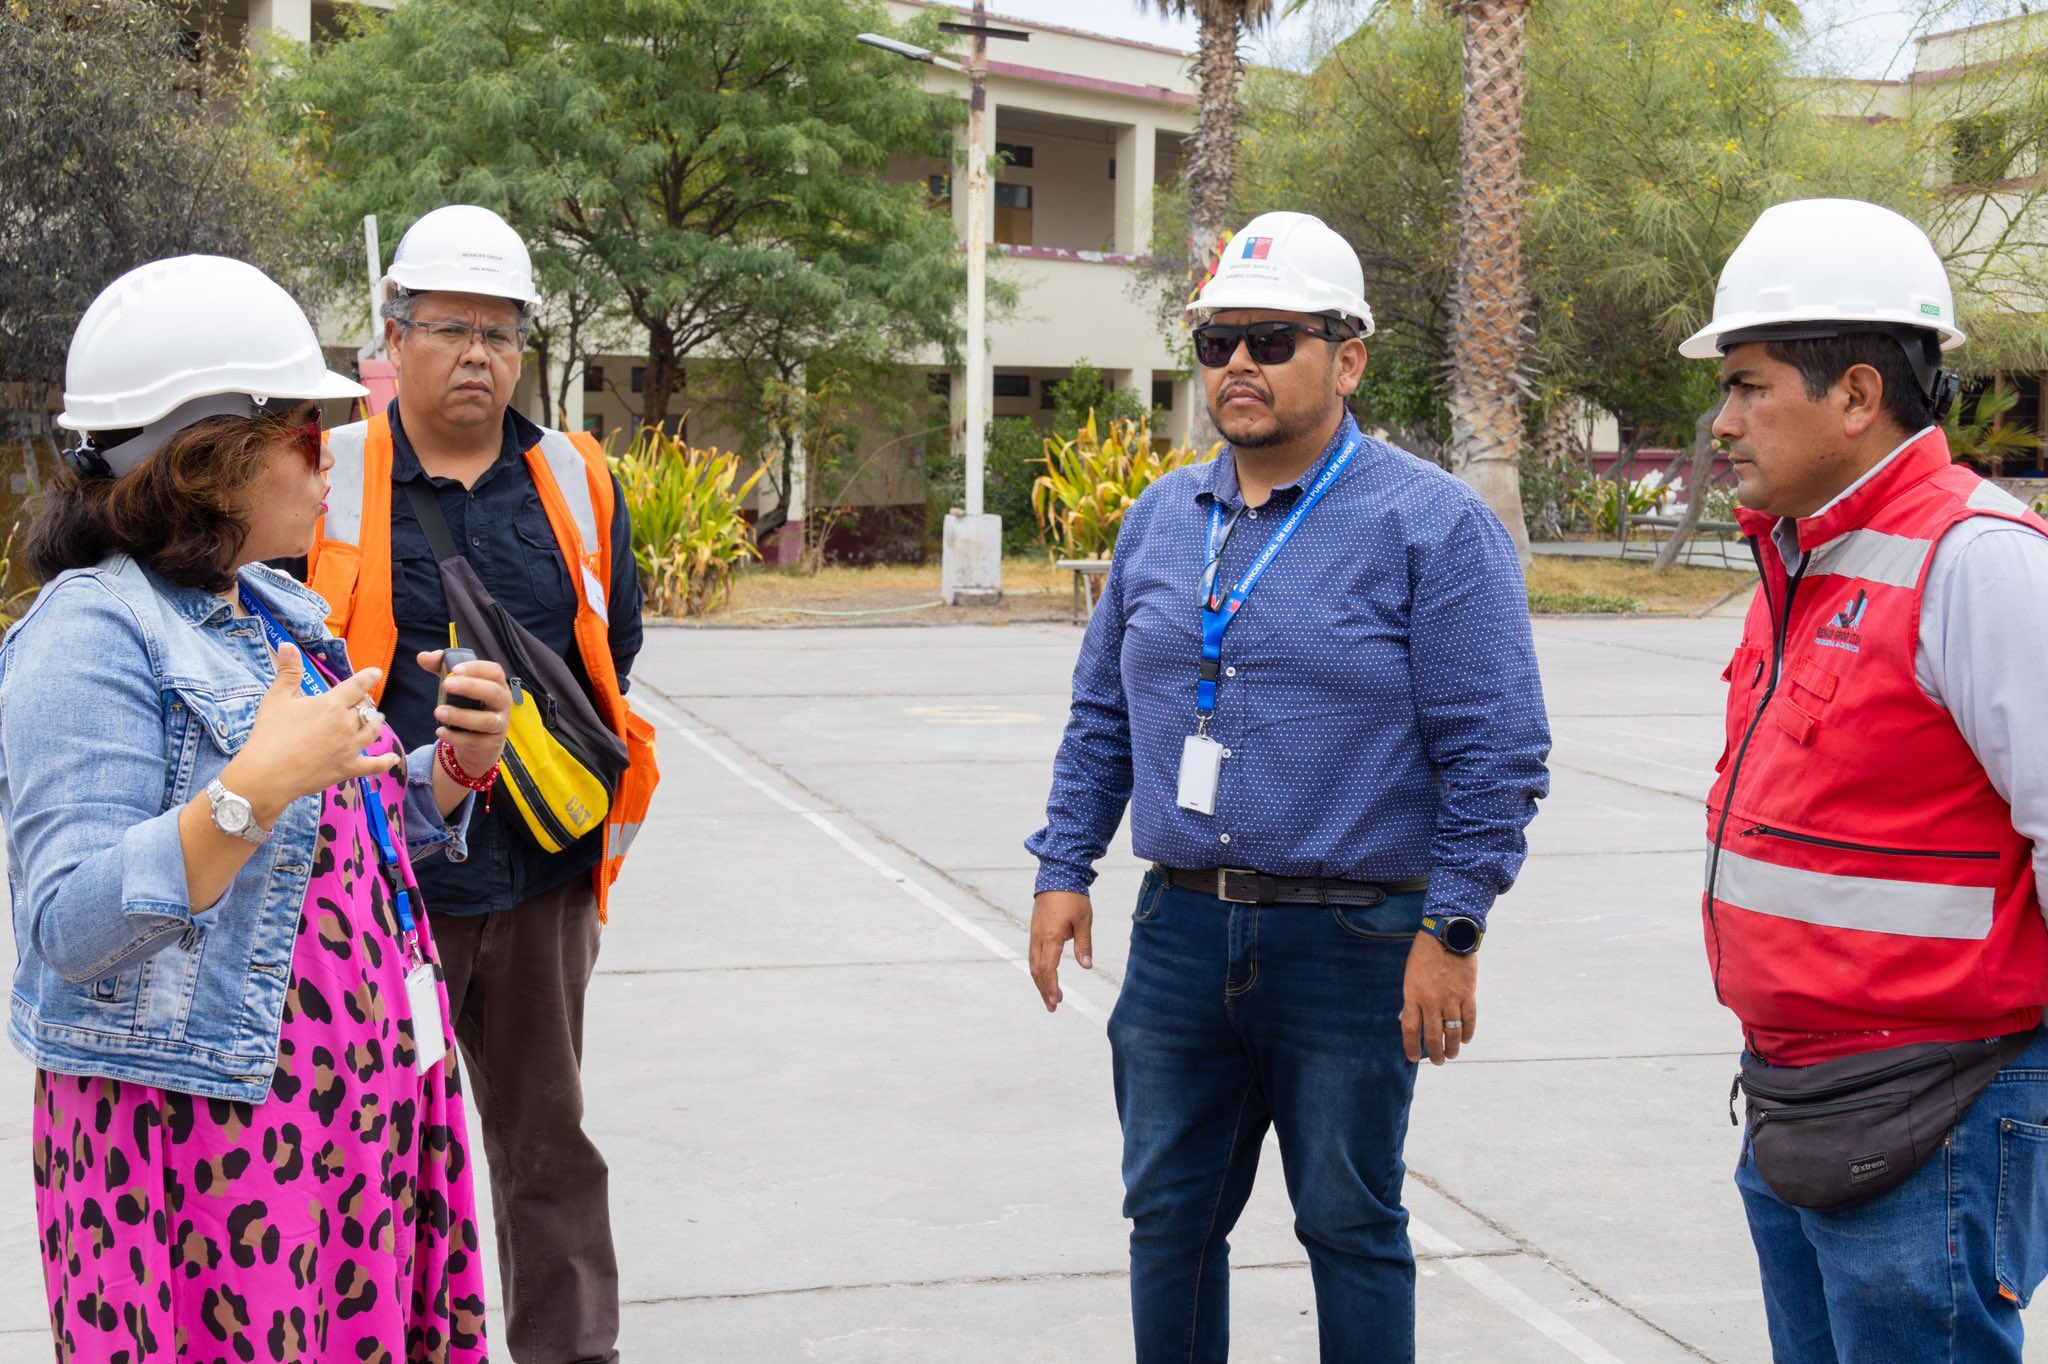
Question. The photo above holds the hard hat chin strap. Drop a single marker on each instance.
(85, 460)
(1922, 349)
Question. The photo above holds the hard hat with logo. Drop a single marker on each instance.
(176, 341)
(1826, 267)
(466, 250)
(1289, 261)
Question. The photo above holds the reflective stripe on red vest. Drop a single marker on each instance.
(1866, 887)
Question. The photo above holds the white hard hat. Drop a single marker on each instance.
(176, 341)
(465, 250)
(1289, 261)
(1829, 261)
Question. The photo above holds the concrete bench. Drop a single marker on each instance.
(1086, 589)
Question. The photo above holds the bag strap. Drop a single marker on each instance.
(428, 513)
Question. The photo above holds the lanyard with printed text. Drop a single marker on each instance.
(313, 684)
(1219, 610)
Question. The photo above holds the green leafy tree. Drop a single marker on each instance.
(714, 166)
(122, 140)
(1654, 133)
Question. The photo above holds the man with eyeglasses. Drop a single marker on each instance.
(1311, 678)
(539, 516)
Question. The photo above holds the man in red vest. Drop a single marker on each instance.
(1875, 826)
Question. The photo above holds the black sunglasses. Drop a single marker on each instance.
(1268, 343)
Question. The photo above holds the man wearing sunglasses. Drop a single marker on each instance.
(540, 518)
(1311, 678)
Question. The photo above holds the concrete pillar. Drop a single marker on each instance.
(1136, 164)
(291, 19)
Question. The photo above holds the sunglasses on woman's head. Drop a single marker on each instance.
(1268, 343)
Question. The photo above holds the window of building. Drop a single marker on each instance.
(1162, 394)
(1013, 385)
(593, 378)
(1045, 399)
(1013, 214)
(939, 188)
(1980, 149)
(595, 426)
(1018, 156)
(639, 378)
(940, 382)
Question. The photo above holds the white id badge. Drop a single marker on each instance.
(1201, 767)
(429, 1042)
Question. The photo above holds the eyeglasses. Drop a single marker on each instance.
(1268, 343)
(454, 337)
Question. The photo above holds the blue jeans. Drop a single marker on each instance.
(1937, 1269)
(1233, 1019)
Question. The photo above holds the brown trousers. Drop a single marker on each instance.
(516, 981)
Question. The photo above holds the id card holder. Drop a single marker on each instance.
(1201, 769)
(430, 1042)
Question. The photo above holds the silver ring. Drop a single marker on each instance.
(1453, 1024)
(370, 715)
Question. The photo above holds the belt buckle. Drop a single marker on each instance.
(1223, 875)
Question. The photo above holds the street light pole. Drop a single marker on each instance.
(972, 564)
(978, 153)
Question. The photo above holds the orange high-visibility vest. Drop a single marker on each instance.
(350, 565)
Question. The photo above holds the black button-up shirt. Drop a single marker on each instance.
(500, 526)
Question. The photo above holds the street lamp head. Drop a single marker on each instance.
(901, 49)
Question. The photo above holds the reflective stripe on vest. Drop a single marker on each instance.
(1894, 560)
(570, 472)
(1915, 909)
(344, 517)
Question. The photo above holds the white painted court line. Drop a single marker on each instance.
(888, 872)
(1475, 1272)
(1487, 1280)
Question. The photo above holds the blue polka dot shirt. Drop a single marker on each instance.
(1379, 702)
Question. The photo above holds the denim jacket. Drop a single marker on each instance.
(121, 697)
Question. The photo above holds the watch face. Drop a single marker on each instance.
(1461, 935)
(231, 813)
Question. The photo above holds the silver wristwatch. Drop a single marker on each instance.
(233, 815)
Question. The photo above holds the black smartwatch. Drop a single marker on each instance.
(1458, 934)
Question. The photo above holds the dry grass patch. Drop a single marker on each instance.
(1565, 583)
(1034, 590)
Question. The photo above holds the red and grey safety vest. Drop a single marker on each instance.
(350, 565)
(1865, 885)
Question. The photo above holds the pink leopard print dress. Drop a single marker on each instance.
(333, 1221)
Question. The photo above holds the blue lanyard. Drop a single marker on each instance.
(1218, 610)
(313, 684)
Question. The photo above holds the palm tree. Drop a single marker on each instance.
(1489, 296)
(1211, 159)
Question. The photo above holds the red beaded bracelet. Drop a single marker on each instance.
(445, 752)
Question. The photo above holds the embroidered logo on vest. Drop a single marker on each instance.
(1844, 631)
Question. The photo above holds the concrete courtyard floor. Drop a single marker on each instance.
(842, 1128)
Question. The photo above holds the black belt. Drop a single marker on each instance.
(1243, 886)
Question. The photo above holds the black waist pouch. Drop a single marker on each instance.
(1842, 1132)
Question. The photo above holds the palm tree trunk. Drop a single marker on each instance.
(1489, 298)
(1211, 165)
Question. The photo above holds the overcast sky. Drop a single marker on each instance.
(1855, 37)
